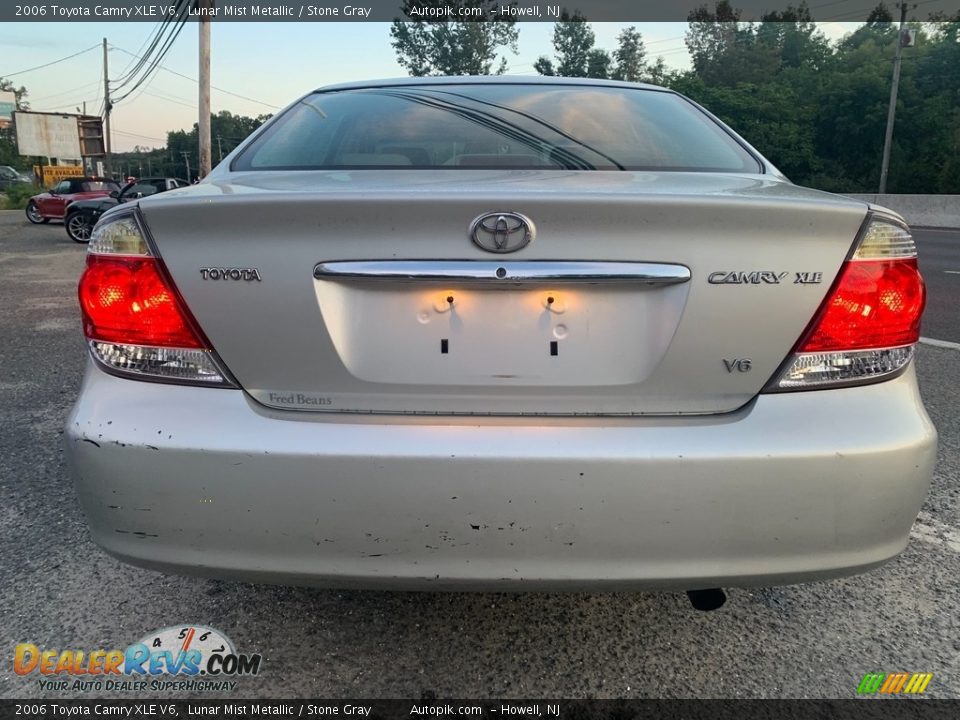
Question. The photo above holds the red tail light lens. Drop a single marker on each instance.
(136, 323)
(874, 304)
(126, 300)
(867, 326)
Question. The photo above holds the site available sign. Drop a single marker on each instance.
(8, 104)
(48, 135)
(50, 175)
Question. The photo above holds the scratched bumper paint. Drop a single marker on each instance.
(200, 480)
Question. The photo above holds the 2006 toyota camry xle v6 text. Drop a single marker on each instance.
(482, 333)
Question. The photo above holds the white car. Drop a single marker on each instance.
(501, 333)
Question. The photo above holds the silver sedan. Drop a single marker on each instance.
(501, 333)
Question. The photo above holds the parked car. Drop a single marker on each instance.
(82, 215)
(10, 176)
(501, 333)
(52, 204)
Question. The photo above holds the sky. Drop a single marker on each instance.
(268, 64)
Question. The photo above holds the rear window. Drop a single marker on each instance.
(145, 188)
(496, 126)
(98, 186)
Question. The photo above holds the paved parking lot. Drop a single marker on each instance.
(817, 640)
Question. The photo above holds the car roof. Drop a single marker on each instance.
(488, 80)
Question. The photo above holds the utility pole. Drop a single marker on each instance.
(203, 126)
(186, 159)
(106, 110)
(219, 148)
(892, 110)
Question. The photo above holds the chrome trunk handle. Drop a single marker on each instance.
(506, 273)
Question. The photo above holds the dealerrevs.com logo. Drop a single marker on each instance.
(183, 658)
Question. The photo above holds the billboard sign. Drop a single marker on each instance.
(47, 135)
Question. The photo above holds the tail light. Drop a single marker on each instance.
(866, 329)
(135, 321)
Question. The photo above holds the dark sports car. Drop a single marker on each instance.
(82, 215)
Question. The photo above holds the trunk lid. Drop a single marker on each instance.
(269, 264)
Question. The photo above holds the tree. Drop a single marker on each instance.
(229, 128)
(726, 51)
(657, 73)
(879, 16)
(794, 36)
(630, 56)
(818, 110)
(9, 155)
(19, 92)
(598, 63)
(573, 39)
(453, 48)
(544, 66)
(710, 35)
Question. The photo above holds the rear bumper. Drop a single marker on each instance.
(793, 487)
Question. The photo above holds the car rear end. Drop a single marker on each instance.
(680, 379)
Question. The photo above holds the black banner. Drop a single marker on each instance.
(868, 709)
(433, 10)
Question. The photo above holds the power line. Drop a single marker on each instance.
(168, 26)
(152, 57)
(132, 134)
(70, 91)
(69, 106)
(40, 67)
(187, 77)
(168, 98)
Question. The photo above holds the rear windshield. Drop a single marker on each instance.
(98, 186)
(496, 126)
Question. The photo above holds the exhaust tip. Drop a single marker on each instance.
(707, 600)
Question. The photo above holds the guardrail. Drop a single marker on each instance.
(938, 211)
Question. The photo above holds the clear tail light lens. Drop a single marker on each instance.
(134, 320)
(866, 328)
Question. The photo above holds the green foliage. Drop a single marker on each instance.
(576, 56)
(630, 56)
(598, 63)
(18, 195)
(20, 93)
(8, 144)
(573, 41)
(818, 111)
(544, 66)
(453, 48)
(8, 151)
(226, 132)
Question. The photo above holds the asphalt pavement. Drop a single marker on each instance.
(940, 265)
(815, 640)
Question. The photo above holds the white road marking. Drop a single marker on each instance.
(933, 532)
(952, 272)
(940, 343)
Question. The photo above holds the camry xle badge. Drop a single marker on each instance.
(808, 278)
(230, 273)
(502, 232)
(737, 277)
